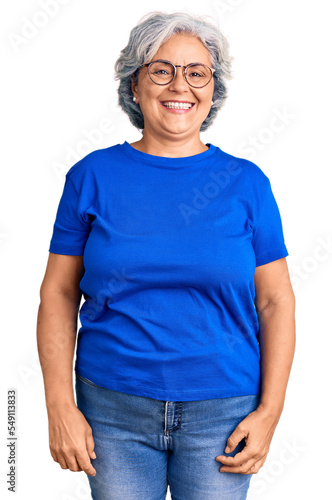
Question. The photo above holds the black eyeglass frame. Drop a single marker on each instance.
(178, 66)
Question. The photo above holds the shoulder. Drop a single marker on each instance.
(247, 173)
(93, 163)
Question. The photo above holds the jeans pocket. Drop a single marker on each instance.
(86, 380)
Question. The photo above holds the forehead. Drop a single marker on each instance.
(183, 48)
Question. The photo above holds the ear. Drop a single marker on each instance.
(133, 86)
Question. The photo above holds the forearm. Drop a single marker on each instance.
(277, 345)
(56, 337)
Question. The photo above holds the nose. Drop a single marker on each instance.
(179, 83)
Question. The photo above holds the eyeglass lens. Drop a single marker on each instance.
(162, 73)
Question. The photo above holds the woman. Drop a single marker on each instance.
(188, 327)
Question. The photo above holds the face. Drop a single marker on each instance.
(179, 49)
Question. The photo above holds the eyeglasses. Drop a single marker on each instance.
(163, 72)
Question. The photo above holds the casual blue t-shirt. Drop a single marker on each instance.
(170, 247)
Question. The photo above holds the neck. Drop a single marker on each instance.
(173, 148)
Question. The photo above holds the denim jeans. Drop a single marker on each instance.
(143, 445)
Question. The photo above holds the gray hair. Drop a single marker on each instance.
(145, 39)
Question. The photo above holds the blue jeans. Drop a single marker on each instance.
(144, 444)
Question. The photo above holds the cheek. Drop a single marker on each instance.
(205, 104)
(149, 97)
(205, 98)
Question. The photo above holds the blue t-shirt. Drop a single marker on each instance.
(170, 247)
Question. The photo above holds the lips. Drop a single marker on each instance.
(178, 108)
(177, 102)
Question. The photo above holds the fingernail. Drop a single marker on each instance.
(227, 449)
(94, 455)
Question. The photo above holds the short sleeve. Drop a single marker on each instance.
(268, 239)
(71, 228)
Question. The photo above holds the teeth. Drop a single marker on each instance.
(180, 105)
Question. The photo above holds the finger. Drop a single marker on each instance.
(258, 465)
(240, 458)
(62, 461)
(250, 467)
(73, 465)
(85, 464)
(237, 435)
(54, 455)
(90, 444)
(245, 468)
(59, 459)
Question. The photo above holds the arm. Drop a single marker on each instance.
(275, 305)
(71, 441)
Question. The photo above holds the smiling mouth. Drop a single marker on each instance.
(177, 105)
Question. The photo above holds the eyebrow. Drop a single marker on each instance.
(166, 60)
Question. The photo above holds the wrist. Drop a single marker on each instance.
(270, 408)
(60, 403)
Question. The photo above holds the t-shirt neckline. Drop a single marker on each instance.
(166, 160)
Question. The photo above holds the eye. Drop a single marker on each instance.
(196, 74)
(161, 72)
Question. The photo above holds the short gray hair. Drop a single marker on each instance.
(145, 39)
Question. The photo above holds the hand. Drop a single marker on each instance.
(257, 429)
(70, 439)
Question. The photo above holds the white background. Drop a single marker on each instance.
(57, 86)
